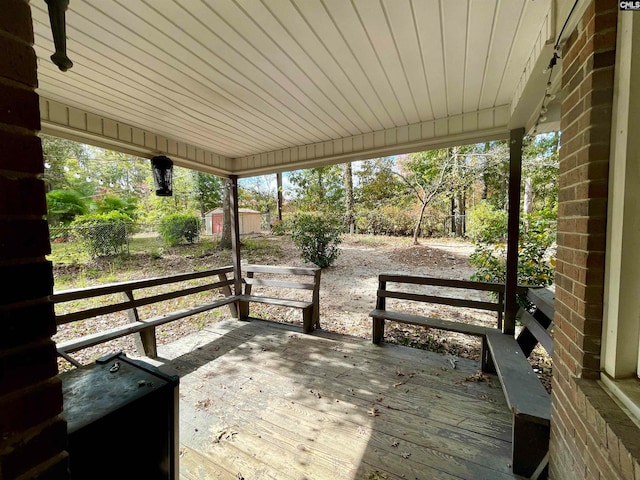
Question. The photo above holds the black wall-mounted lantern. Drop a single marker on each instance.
(57, 14)
(162, 175)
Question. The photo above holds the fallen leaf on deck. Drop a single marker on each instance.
(477, 377)
(225, 435)
(203, 403)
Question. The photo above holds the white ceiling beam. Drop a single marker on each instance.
(79, 125)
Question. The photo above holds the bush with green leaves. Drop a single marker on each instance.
(178, 228)
(63, 206)
(536, 256)
(486, 223)
(318, 237)
(103, 234)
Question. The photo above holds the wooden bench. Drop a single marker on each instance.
(526, 397)
(399, 291)
(310, 308)
(143, 328)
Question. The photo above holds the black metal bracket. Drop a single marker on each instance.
(57, 14)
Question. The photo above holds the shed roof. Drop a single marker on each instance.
(240, 210)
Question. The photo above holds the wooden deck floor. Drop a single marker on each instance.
(260, 400)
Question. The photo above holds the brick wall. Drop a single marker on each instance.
(32, 435)
(591, 438)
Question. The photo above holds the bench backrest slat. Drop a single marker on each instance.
(96, 291)
(543, 299)
(280, 270)
(127, 288)
(454, 302)
(448, 282)
(278, 283)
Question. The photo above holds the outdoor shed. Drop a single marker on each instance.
(249, 221)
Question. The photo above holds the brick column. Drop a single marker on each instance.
(32, 435)
(587, 81)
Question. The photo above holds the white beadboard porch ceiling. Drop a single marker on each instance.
(252, 86)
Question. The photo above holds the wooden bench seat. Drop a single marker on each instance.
(93, 339)
(527, 399)
(310, 308)
(379, 316)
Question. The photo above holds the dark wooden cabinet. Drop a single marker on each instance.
(122, 420)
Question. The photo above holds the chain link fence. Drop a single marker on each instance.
(98, 240)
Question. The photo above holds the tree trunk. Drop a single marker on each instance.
(459, 205)
(320, 185)
(416, 230)
(279, 184)
(348, 185)
(528, 195)
(225, 238)
(453, 214)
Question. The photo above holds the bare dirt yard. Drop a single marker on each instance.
(347, 293)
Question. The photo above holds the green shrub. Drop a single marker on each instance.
(103, 234)
(486, 223)
(317, 236)
(536, 257)
(179, 227)
(63, 206)
(279, 228)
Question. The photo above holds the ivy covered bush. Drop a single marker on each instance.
(179, 228)
(103, 234)
(318, 237)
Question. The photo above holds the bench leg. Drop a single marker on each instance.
(378, 330)
(486, 362)
(307, 319)
(145, 341)
(316, 315)
(243, 310)
(530, 445)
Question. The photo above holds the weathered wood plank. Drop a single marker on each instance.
(543, 299)
(195, 465)
(74, 345)
(283, 302)
(301, 407)
(279, 270)
(118, 307)
(523, 391)
(454, 302)
(431, 322)
(540, 333)
(96, 291)
(278, 283)
(447, 282)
